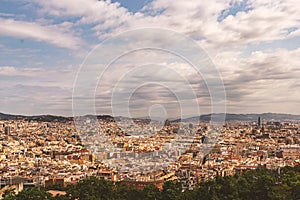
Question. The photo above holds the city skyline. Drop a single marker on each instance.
(149, 99)
(255, 46)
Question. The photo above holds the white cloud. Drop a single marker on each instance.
(36, 90)
(33, 100)
(12, 71)
(56, 77)
(110, 18)
(294, 33)
(53, 34)
(266, 81)
(103, 14)
(265, 21)
(255, 83)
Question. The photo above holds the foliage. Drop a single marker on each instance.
(34, 194)
(256, 184)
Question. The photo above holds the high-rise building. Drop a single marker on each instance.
(259, 122)
(2, 127)
(167, 123)
(7, 130)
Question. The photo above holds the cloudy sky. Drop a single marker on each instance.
(253, 44)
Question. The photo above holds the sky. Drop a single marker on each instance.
(253, 44)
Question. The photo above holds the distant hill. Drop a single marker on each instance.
(9, 117)
(242, 117)
(44, 118)
(207, 117)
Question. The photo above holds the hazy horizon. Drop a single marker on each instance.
(183, 117)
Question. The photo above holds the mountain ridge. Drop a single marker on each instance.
(205, 117)
(242, 117)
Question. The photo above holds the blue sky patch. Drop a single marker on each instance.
(235, 7)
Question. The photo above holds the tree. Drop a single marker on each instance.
(257, 184)
(172, 190)
(295, 192)
(34, 194)
(91, 188)
(151, 192)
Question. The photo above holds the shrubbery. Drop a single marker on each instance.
(257, 184)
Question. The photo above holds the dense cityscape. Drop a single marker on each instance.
(41, 154)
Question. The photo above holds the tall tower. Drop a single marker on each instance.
(7, 130)
(259, 122)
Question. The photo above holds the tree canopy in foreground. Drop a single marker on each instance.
(252, 185)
